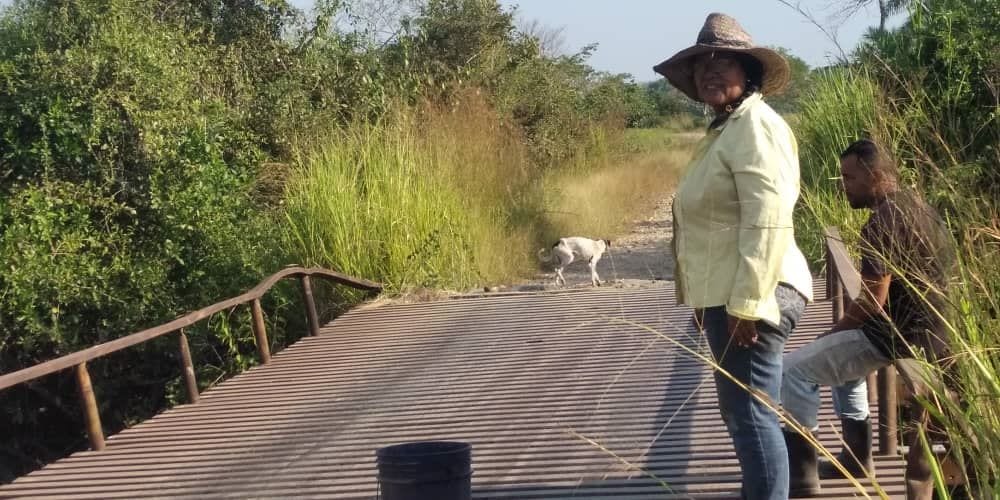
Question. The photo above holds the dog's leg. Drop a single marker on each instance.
(559, 277)
(594, 278)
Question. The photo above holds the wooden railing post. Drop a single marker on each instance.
(872, 382)
(260, 332)
(190, 380)
(831, 272)
(834, 287)
(89, 403)
(888, 438)
(307, 295)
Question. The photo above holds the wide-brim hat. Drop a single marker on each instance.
(721, 33)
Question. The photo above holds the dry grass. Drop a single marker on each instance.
(604, 202)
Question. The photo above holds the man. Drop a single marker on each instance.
(904, 269)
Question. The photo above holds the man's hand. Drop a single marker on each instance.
(743, 332)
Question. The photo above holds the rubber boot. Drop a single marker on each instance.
(857, 443)
(803, 473)
(919, 476)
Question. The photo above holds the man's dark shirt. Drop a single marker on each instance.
(905, 238)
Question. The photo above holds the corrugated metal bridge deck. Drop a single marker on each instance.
(564, 394)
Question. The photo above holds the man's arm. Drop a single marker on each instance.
(877, 239)
(871, 299)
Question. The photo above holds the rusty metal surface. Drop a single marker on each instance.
(571, 394)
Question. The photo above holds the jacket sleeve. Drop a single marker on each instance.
(764, 163)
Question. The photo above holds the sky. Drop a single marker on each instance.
(634, 35)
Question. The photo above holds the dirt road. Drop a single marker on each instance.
(639, 259)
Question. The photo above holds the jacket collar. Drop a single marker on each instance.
(740, 110)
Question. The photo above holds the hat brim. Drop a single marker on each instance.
(679, 72)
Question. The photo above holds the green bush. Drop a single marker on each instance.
(128, 180)
(153, 152)
(941, 71)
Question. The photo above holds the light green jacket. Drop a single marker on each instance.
(733, 235)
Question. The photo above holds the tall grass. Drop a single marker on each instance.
(839, 108)
(362, 206)
(964, 399)
(448, 197)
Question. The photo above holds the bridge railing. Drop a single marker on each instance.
(78, 360)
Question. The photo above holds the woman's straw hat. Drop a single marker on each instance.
(722, 33)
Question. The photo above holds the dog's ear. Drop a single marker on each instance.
(607, 243)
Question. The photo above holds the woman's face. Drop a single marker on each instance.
(719, 79)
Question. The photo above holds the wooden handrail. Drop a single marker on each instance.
(79, 359)
(841, 262)
(97, 351)
(842, 275)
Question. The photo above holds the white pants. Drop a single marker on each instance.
(839, 360)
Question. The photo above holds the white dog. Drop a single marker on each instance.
(568, 250)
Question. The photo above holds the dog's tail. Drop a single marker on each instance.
(543, 257)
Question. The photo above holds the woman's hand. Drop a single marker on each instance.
(743, 332)
(698, 319)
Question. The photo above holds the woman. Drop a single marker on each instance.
(736, 258)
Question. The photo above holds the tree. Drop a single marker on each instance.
(467, 38)
(886, 8)
(788, 100)
(551, 41)
(667, 100)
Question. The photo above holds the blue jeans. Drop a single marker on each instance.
(755, 429)
(851, 399)
(840, 360)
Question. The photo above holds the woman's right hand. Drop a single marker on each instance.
(698, 319)
(742, 332)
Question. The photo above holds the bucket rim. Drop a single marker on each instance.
(435, 448)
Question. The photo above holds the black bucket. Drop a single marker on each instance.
(428, 470)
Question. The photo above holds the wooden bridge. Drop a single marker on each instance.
(573, 394)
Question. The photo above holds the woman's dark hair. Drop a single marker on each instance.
(754, 71)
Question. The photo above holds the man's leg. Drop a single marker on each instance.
(850, 401)
(835, 360)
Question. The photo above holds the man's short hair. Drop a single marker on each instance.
(872, 157)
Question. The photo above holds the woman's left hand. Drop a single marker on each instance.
(743, 332)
